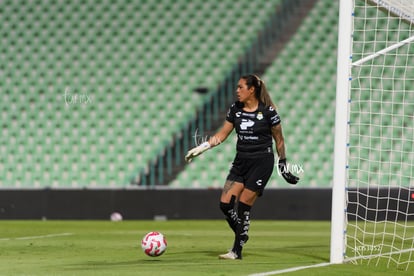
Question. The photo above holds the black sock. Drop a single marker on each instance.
(242, 228)
(230, 213)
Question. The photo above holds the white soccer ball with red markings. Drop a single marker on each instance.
(154, 244)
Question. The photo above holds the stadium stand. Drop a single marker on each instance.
(302, 79)
(302, 82)
(93, 93)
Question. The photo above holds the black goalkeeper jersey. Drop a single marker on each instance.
(254, 135)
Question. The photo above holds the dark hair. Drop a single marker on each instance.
(260, 89)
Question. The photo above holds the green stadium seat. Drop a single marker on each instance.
(156, 52)
(302, 83)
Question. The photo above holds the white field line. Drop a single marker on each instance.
(37, 237)
(292, 269)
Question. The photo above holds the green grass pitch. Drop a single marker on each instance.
(113, 248)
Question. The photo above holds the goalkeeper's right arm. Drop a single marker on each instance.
(215, 140)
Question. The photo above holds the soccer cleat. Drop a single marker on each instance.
(229, 256)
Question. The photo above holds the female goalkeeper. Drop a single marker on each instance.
(256, 121)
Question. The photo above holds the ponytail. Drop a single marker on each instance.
(260, 89)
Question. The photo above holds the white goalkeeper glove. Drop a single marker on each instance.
(196, 151)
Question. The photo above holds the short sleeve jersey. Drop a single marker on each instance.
(254, 135)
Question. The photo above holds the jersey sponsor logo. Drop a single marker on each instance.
(275, 119)
(246, 123)
(250, 115)
(241, 137)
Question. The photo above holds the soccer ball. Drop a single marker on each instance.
(154, 244)
(116, 216)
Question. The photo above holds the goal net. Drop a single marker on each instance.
(379, 171)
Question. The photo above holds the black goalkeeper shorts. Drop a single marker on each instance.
(254, 173)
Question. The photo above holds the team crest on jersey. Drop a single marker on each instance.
(259, 116)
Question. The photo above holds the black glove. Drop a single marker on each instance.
(283, 169)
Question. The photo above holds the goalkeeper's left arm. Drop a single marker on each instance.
(280, 148)
(215, 140)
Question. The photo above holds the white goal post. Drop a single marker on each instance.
(373, 186)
